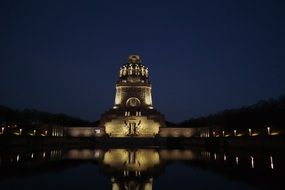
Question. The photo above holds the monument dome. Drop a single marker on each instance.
(134, 71)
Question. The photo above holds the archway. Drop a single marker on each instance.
(133, 102)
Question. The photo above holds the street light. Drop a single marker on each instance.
(249, 132)
(271, 163)
(268, 130)
(252, 161)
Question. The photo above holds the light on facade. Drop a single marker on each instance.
(97, 131)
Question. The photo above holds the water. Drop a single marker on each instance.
(149, 168)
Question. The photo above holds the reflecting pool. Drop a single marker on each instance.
(141, 169)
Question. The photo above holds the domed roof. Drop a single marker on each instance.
(134, 70)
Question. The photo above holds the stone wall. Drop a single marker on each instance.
(176, 132)
(84, 132)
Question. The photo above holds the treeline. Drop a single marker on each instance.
(262, 114)
(33, 117)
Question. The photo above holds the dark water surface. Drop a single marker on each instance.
(136, 169)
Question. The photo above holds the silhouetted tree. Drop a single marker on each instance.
(263, 113)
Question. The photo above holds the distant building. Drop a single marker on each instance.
(133, 114)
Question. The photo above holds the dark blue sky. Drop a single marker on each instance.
(204, 55)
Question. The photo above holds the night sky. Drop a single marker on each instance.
(204, 56)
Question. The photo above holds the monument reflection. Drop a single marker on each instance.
(139, 169)
(127, 168)
(131, 169)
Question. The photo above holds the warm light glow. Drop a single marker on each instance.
(83, 131)
(252, 161)
(34, 132)
(133, 126)
(274, 133)
(20, 131)
(236, 160)
(139, 160)
(148, 98)
(249, 132)
(97, 131)
(268, 130)
(97, 153)
(271, 163)
(225, 157)
(115, 186)
(178, 132)
(142, 96)
(235, 132)
(223, 133)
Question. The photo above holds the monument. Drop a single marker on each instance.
(133, 114)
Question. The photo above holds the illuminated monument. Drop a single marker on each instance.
(133, 114)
